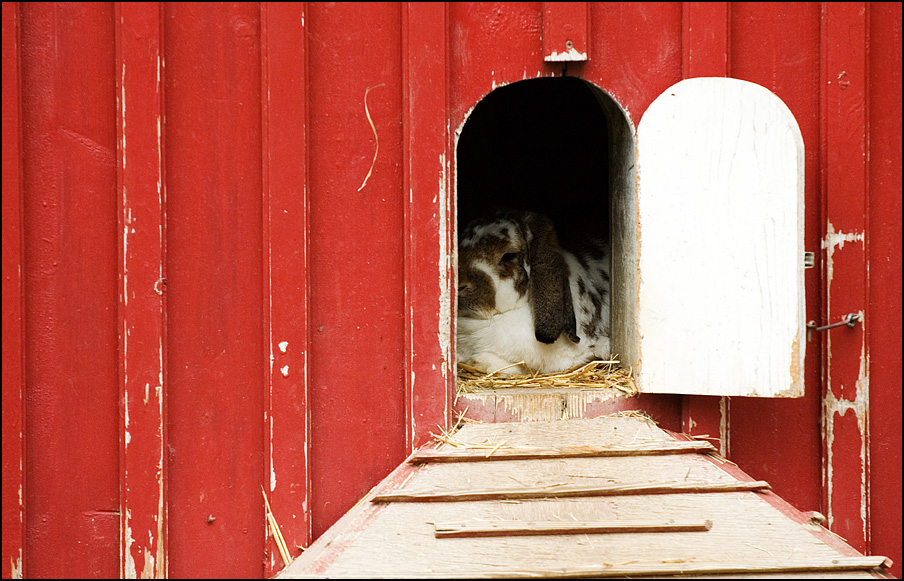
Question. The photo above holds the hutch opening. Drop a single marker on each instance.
(563, 147)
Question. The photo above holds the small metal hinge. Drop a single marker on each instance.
(850, 320)
(809, 259)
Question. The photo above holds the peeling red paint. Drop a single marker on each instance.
(183, 191)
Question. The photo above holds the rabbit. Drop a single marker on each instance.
(525, 304)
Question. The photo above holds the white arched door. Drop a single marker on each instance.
(720, 257)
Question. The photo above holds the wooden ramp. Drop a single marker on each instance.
(608, 497)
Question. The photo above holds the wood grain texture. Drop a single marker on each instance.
(216, 347)
(399, 539)
(71, 258)
(142, 280)
(720, 206)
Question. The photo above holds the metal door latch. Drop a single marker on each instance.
(850, 320)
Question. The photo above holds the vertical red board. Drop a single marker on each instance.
(13, 362)
(357, 245)
(286, 280)
(637, 51)
(141, 280)
(214, 241)
(845, 247)
(71, 301)
(479, 32)
(778, 440)
(429, 223)
(566, 32)
(281, 122)
(885, 322)
(706, 39)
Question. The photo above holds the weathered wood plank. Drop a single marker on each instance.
(400, 536)
(398, 539)
(566, 491)
(608, 431)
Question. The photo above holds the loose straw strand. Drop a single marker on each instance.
(277, 534)
(376, 139)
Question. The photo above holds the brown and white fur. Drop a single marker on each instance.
(525, 304)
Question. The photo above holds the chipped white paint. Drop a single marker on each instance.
(272, 459)
(125, 255)
(140, 557)
(413, 376)
(833, 406)
(411, 348)
(161, 565)
(272, 355)
(125, 201)
(158, 390)
(149, 561)
(160, 188)
(446, 271)
(570, 55)
(160, 519)
(149, 568)
(122, 104)
(126, 433)
(859, 406)
(129, 571)
(124, 338)
(283, 346)
(284, 370)
(15, 566)
(835, 241)
(720, 242)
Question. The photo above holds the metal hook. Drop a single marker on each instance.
(850, 320)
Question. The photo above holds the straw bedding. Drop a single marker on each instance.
(593, 375)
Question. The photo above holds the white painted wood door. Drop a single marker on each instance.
(720, 304)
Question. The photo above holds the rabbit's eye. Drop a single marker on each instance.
(509, 258)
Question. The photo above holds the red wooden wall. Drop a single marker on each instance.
(227, 232)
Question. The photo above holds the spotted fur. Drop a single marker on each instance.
(524, 303)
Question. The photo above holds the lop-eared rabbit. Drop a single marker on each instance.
(525, 304)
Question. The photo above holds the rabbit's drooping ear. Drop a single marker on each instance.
(550, 292)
